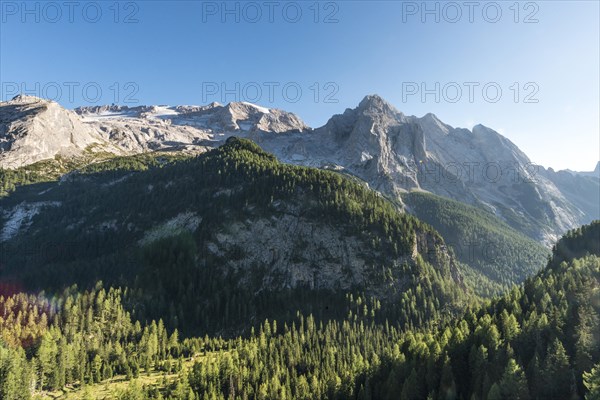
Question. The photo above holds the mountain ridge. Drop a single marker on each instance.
(375, 142)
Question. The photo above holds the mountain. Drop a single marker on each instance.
(580, 189)
(207, 236)
(495, 256)
(147, 128)
(594, 173)
(32, 130)
(392, 152)
(395, 153)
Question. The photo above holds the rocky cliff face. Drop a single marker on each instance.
(32, 130)
(303, 252)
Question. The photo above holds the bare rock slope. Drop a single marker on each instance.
(33, 130)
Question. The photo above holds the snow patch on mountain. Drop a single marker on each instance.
(259, 108)
(163, 112)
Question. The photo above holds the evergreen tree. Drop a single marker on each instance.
(592, 383)
(513, 384)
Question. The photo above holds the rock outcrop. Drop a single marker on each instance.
(32, 129)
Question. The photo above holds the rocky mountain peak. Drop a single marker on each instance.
(595, 173)
(248, 108)
(26, 99)
(374, 117)
(375, 104)
(432, 124)
(34, 129)
(480, 128)
(251, 117)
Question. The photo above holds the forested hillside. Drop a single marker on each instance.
(51, 171)
(536, 342)
(495, 256)
(218, 242)
(540, 341)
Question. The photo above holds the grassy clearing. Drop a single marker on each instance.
(110, 388)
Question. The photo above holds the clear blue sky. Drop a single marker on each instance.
(176, 52)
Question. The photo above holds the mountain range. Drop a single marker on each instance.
(393, 153)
